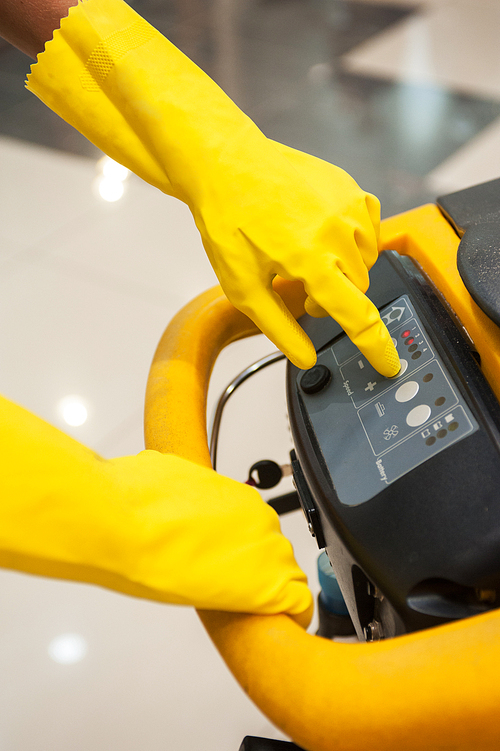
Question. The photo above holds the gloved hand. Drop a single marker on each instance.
(261, 209)
(151, 525)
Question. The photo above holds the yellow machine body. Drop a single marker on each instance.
(434, 689)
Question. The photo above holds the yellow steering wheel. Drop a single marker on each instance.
(434, 689)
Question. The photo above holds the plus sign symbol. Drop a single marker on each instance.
(390, 432)
(371, 385)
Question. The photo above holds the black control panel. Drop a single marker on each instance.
(391, 425)
(400, 477)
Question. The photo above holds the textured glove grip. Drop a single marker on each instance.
(110, 50)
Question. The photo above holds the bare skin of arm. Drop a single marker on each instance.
(29, 24)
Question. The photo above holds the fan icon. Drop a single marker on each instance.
(391, 432)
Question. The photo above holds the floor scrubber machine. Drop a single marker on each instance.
(399, 480)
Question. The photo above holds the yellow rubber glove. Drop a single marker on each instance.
(261, 210)
(151, 525)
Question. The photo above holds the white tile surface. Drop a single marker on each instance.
(452, 44)
(69, 336)
(59, 191)
(150, 680)
(10, 248)
(145, 244)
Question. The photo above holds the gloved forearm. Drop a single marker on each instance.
(261, 211)
(150, 525)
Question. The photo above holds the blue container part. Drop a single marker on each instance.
(331, 597)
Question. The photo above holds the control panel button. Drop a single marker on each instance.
(315, 379)
(418, 415)
(404, 365)
(407, 391)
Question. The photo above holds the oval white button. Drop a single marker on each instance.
(418, 415)
(407, 391)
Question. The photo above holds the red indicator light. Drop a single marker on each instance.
(409, 341)
(406, 333)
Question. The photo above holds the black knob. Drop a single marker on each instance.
(268, 472)
(315, 379)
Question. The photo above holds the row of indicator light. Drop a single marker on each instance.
(442, 432)
(409, 341)
(411, 344)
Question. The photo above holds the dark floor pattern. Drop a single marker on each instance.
(280, 61)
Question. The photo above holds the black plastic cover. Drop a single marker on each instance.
(426, 548)
(475, 215)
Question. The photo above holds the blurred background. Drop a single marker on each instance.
(403, 95)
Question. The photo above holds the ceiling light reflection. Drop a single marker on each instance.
(110, 180)
(114, 170)
(67, 649)
(73, 410)
(110, 189)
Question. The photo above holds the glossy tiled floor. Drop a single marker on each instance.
(405, 96)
